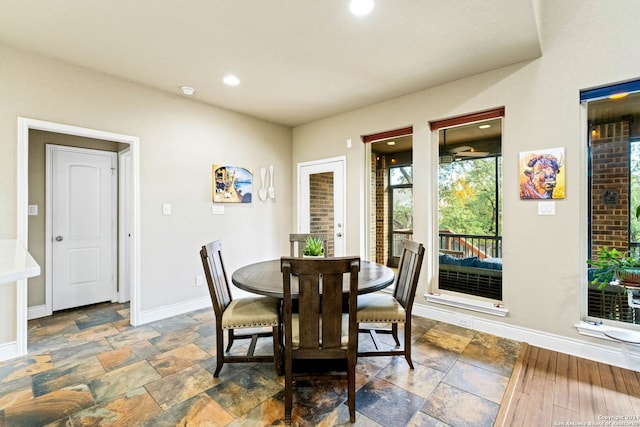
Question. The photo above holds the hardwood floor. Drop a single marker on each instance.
(555, 389)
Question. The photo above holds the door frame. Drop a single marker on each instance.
(125, 209)
(133, 185)
(48, 280)
(323, 165)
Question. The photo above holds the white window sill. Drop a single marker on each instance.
(597, 330)
(468, 304)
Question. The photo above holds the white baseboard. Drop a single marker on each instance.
(9, 350)
(611, 353)
(37, 311)
(160, 313)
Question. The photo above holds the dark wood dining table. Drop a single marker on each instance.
(265, 278)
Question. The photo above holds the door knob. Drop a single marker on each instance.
(339, 235)
(59, 239)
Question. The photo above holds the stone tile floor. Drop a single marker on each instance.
(89, 367)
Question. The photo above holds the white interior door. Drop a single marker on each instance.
(83, 226)
(321, 201)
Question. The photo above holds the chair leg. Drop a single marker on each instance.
(394, 333)
(351, 389)
(219, 351)
(231, 337)
(407, 342)
(277, 359)
(288, 391)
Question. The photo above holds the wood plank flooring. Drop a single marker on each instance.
(548, 388)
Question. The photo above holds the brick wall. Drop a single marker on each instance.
(321, 209)
(610, 175)
(381, 209)
(372, 207)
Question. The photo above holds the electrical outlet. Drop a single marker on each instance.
(465, 320)
(199, 280)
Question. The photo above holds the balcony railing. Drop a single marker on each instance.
(398, 236)
(467, 245)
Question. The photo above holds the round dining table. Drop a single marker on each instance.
(265, 278)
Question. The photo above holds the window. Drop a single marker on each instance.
(470, 205)
(613, 148)
(401, 209)
(391, 193)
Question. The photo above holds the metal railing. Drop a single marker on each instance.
(467, 245)
(398, 236)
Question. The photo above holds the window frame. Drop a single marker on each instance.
(435, 294)
(588, 96)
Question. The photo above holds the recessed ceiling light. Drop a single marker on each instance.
(231, 80)
(391, 143)
(188, 90)
(361, 7)
(484, 126)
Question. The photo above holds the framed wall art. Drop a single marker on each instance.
(542, 174)
(231, 184)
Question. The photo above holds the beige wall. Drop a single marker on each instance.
(180, 139)
(585, 44)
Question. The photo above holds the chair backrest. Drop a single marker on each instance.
(216, 276)
(297, 242)
(408, 273)
(320, 306)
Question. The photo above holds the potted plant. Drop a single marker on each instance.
(614, 267)
(313, 247)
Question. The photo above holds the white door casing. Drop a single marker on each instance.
(82, 212)
(125, 228)
(337, 167)
(133, 185)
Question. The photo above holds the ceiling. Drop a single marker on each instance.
(298, 60)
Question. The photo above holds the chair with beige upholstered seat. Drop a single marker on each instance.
(393, 309)
(319, 330)
(242, 313)
(297, 242)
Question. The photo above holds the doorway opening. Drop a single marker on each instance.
(129, 196)
(321, 202)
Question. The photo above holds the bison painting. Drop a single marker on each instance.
(539, 176)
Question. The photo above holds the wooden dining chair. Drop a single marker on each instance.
(393, 309)
(319, 330)
(241, 313)
(297, 242)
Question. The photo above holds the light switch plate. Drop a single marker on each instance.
(217, 209)
(33, 210)
(166, 209)
(546, 208)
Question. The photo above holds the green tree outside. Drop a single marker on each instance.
(467, 196)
